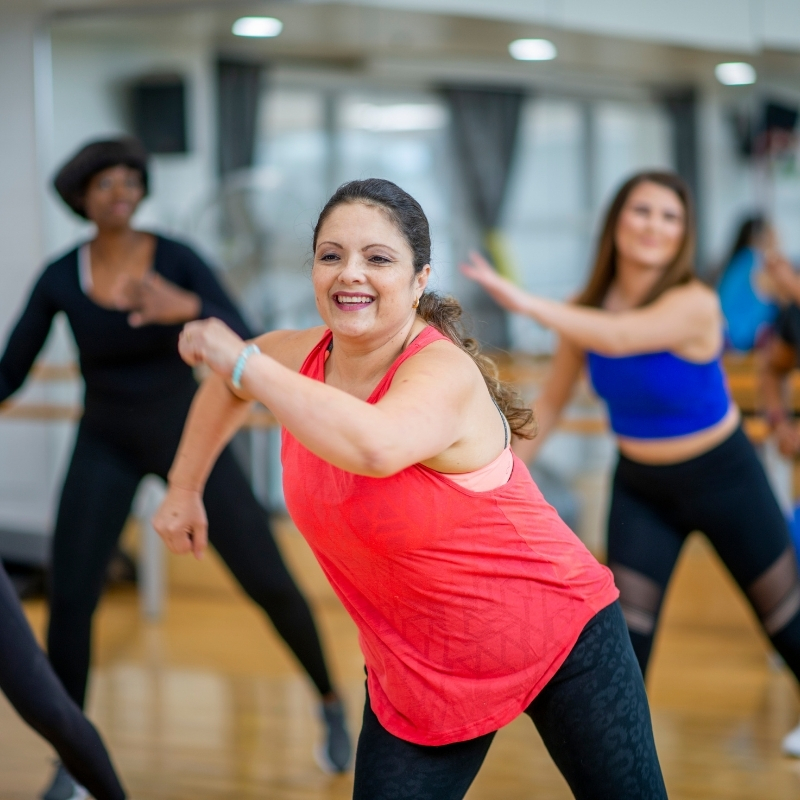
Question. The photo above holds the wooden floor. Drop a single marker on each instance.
(208, 705)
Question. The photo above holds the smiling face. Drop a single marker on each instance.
(650, 228)
(113, 195)
(364, 280)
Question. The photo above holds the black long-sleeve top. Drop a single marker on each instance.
(119, 363)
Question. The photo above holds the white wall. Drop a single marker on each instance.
(20, 212)
(91, 73)
(26, 477)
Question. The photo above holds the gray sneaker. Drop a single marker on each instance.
(335, 753)
(64, 786)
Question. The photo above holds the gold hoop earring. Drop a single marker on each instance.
(416, 303)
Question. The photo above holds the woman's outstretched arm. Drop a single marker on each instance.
(419, 418)
(677, 319)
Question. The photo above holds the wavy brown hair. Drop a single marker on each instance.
(443, 313)
(679, 271)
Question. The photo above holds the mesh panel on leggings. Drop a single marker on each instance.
(775, 594)
(639, 597)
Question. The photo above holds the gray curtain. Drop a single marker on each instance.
(238, 91)
(485, 124)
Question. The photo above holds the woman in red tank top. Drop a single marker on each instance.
(474, 602)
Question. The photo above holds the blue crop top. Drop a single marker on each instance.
(659, 395)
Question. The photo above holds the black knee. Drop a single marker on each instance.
(42, 702)
(69, 638)
(69, 628)
(276, 600)
(51, 720)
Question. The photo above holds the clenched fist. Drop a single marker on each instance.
(210, 342)
(182, 523)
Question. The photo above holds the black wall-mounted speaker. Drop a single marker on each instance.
(158, 111)
(780, 117)
(769, 130)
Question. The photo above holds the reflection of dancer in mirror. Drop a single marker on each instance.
(651, 334)
(474, 601)
(31, 686)
(748, 294)
(126, 294)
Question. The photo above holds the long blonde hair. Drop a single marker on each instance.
(681, 268)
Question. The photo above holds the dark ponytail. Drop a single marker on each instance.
(443, 313)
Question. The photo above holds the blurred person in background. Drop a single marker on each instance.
(126, 294)
(747, 294)
(757, 282)
(777, 361)
(651, 335)
(28, 681)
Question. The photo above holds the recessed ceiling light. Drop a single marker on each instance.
(261, 27)
(396, 118)
(735, 73)
(532, 50)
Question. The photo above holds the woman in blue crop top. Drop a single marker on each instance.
(651, 334)
(126, 295)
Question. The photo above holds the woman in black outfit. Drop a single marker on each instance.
(126, 295)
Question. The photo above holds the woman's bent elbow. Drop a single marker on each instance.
(376, 465)
(380, 462)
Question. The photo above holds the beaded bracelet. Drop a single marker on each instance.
(238, 369)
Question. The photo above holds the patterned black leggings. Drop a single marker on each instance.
(593, 717)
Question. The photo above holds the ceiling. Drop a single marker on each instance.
(743, 25)
(376, 37)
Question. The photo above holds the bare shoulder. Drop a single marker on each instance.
(693, 297)
(443, 363)
(290, 348)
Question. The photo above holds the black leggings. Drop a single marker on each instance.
(115, 448)
(28, 681)
(725, 494)
(592, 715)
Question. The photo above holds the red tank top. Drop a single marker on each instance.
(466, 602)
